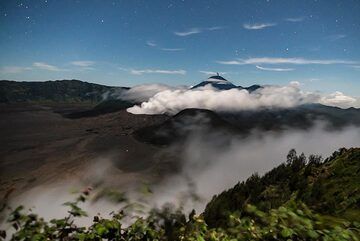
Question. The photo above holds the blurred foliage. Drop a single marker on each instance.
(284, 208)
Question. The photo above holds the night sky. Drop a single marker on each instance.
(126, 43)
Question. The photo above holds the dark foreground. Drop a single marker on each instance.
(302, 199)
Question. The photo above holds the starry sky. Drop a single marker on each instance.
(180, 42)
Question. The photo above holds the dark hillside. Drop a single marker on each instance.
(329, 187)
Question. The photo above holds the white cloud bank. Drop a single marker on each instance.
(172, 101)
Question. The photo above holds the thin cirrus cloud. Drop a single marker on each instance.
(274, 69)
(156, 71)
(294, 20)
(153, 44)
(258, 26)
(35, 66)
(193, 31)
(83, 63)
(298, 61)
(45, 66)
(172, 49)
(211, 72)
(336, 37)
(13, 69)
(188, 32)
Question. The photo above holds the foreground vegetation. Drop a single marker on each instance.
(302, 199)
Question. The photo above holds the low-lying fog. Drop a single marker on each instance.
(212, 162)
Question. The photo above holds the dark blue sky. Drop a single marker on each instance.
(132, 42)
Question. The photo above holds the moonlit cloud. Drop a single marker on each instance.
(84, 63)
(13, 69)
(294, 20)
(156, 71)
(45, 66)
(299, 61)
(258, 26)
(274, 69)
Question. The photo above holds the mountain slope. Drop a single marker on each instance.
(104, 107)
(188, 121)
(183, 124)
(331, 187)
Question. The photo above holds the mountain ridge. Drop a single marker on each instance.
(68, 91)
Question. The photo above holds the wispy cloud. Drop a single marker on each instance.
(192, 31)
(151, 43)
(356, 66)
(211, 72)
(298, 19)
(336, 37)
(45, 66)
(299, 61)
(258, 26)
(13, 69)
(274, 69)
(83, 63)
(215, 28)
(188, 32)
(172, 49)
(156, 71)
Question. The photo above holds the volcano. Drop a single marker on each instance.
(217, 82)
(220, 83)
